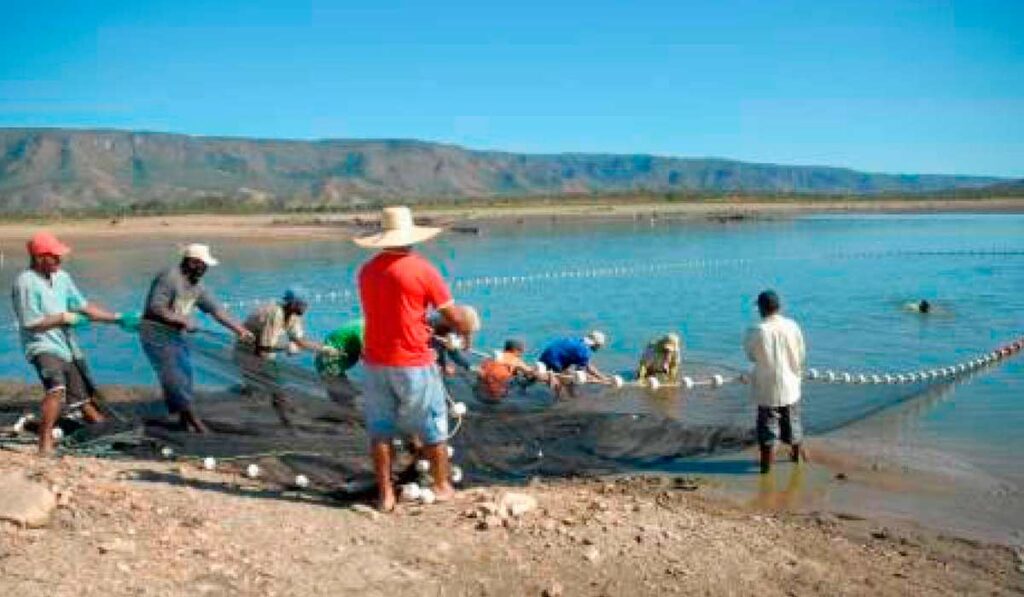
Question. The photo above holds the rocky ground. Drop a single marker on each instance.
(163, 528)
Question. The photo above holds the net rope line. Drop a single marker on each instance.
(579, 377)
(613, 271)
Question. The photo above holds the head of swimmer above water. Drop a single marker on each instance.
(924, 306)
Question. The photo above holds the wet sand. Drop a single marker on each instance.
(291, 227)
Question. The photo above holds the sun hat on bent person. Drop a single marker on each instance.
(200, 252)
(45, 243)
(397, 229)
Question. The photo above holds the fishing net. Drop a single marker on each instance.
(602, 430)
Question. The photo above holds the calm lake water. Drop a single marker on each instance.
(843, 278)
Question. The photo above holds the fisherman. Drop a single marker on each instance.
(404, 394)
(47, 305)
(661, 359)
(566, 355)
(497, 374)
(333, 369)
(776, 347)
(449, 356)
(167, 316)
(269, 324)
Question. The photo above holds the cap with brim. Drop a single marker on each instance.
(45, 243)
(200, 252)
(398, 229)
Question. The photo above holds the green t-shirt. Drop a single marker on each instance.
(349, 340)
(35, 297)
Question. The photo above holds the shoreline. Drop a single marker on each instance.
(299, 226)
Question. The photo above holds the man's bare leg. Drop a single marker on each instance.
(92, 413)
(380, 452)
(191, 422)
(767, 456)
(50, 414)
(437, 454)
(281, 406)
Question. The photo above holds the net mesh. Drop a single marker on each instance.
(602, 430)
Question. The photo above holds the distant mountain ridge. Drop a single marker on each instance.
(45, 170)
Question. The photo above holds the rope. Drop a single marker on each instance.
(580, 377)
(970, 365)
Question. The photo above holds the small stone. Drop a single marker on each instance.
(592, 555)
(366, 511)
(489, 522)
(25, 502)
(516, 504)
(553, 590)
(117, 546)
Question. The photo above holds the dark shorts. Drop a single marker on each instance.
(779, 423)
(56, 374)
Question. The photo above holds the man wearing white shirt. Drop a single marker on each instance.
(776, 347)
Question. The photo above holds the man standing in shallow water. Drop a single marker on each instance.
(167, 315)
(404, 394)
(46, 305)
(776, 347)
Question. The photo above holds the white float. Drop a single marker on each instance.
(301, 481)
(410, 492)
(166, 451)
(252, 471)
(209, 463)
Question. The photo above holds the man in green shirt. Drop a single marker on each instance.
(333, 368)
(47, 304)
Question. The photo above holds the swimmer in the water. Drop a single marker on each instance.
(921, 307)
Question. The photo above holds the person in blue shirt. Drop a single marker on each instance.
(568, 354)
(47, 305)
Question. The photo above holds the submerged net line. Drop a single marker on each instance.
(702, 266)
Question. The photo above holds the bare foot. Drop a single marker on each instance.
(46, 445)
(444, 493)
(386, 501)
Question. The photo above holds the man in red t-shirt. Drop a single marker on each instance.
(404, 394)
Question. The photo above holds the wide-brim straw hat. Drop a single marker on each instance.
(397, 229)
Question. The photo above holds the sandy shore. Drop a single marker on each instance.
(127, 527)
(283, 227)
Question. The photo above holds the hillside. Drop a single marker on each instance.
(45, 170)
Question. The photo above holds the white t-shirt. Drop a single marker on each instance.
(776, 346)
(268, 325)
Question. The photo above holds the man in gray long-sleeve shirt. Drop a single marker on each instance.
(173, 295)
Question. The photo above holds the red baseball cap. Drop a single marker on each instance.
(45, 243)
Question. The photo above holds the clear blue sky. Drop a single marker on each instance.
(882, 86)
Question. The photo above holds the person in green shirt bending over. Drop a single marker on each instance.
(333, 368)
(47, 304)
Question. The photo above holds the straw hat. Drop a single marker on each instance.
(397, 230)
